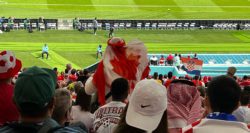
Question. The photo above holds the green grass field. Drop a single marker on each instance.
(79, 48)
(127, 9)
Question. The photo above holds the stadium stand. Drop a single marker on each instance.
(138, 24)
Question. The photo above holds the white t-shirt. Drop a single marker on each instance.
(216, 126)
(242, 114)
(85, 117)
(95, 23)
(154, 58)
(107, 117)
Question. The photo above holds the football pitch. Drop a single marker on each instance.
(127, 9)
(79, 48)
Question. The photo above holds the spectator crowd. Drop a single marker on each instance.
(41, 100)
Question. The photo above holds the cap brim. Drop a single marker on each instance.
(147, 123)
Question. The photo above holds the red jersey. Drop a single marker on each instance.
(167, 83)
(162, 60)
(197, 83)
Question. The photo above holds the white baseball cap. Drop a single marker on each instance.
(147, 105)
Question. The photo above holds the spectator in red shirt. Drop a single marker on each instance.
(72, 76)
(161, 61)
(170, 59)
(196, 81)
(167, 83)
(9, 67)
(61, 77)
(245, 81)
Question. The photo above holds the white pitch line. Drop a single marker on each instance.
(149, 6)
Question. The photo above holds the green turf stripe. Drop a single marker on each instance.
(243, 37)
(55, 60)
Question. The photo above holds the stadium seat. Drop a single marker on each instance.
(99, 25)
(15, 26)
(107, 26)
(186, 26)
(34, 25)
(192, 25)
(139, 25)
(90, 26)
(21, 25)
(147, 26)
(179, 26)
(154, 26)
(121, 26)
(215, 26)
(51, 25)
(128, 25)
(116, 25)
(84, 25)
(234, 26)
(162, 26)
(41, 26)
(247, 26)
(171, 25)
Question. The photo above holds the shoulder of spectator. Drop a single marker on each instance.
(71, 129)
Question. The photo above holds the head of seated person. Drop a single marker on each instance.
(63, 104)
(146, 111)
(223, 95)
(184, 104)
(34, 94)
(119, 89)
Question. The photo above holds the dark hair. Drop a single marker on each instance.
(123, 127)
(170, 75)
(245, 96)
(80, 72)
(180, 55)
(119, 89)
(73, 71)
(224, 94)
(155, 76)
(83, 100)
(55, 68)
(245, 77)
(196, 77)
(66, 71)
(85, 72)
(202, 91)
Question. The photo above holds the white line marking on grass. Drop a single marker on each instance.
(124, 6)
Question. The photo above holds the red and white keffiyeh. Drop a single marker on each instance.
(184, 102)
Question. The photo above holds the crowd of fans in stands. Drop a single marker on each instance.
(45, 100)
(170, 60)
